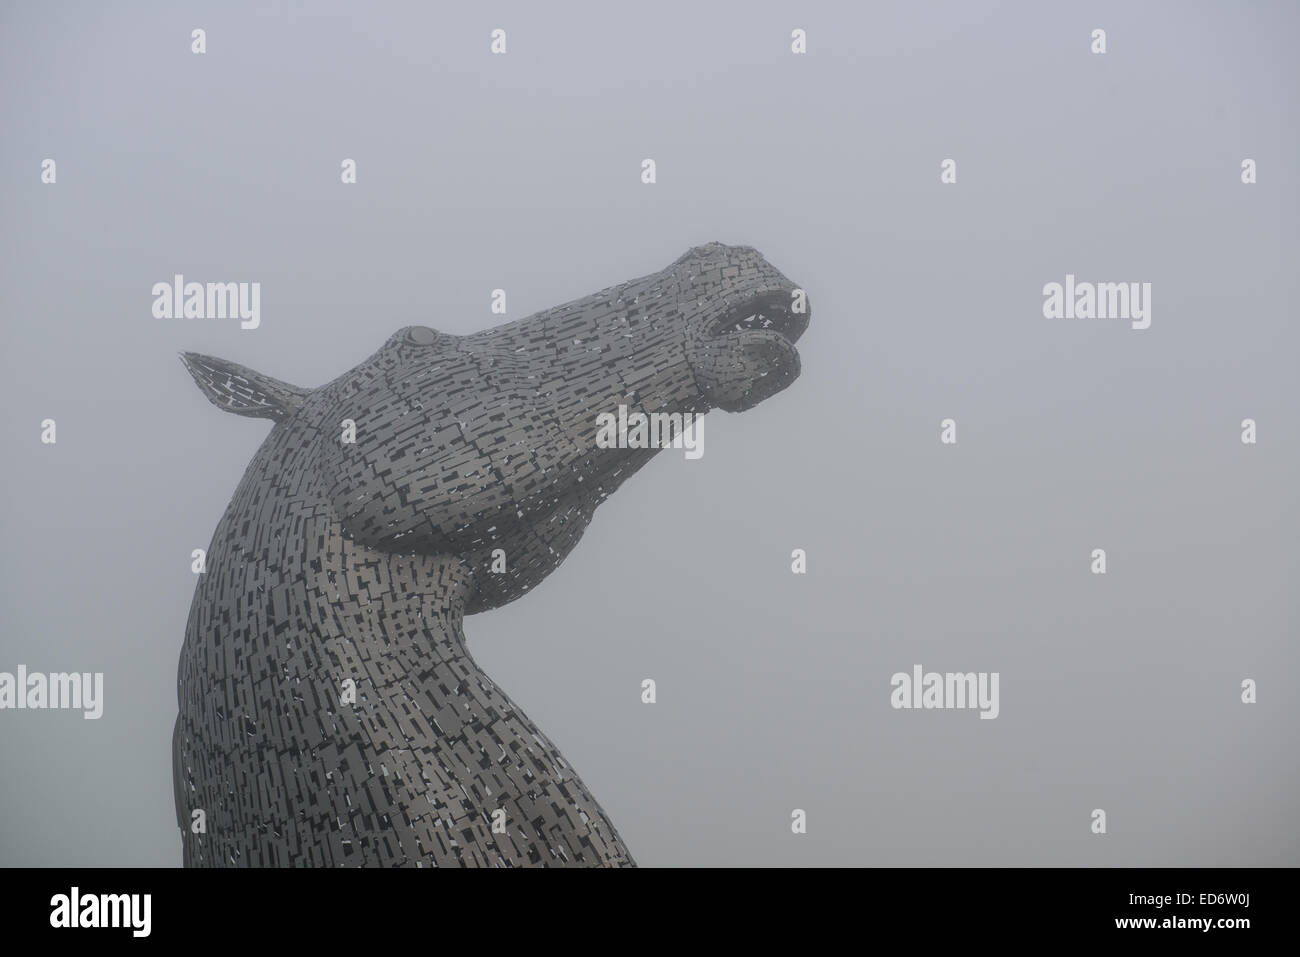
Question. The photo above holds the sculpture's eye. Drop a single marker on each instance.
(421, 335)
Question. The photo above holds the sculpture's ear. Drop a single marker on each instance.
(235, 388)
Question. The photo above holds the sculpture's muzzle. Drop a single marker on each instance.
(747, 353)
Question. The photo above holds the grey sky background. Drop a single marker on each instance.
(521, 171)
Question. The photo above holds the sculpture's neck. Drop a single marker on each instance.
(331, 714)
(440, 731)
